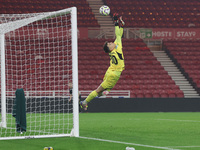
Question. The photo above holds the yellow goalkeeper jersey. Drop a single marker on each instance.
(116, 55)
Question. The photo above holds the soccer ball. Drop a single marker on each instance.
(104, 10)
(48, 148)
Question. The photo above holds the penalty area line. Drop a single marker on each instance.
(126, 143)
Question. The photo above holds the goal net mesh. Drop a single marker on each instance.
(38, 58)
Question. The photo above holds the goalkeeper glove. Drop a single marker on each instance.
(115, 16)
(121, 22)
(116, 19)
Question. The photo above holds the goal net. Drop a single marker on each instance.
(39, 55)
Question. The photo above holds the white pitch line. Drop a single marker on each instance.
(179, 120)
(185, 146)
(134, 144)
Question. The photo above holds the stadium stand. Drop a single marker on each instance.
(185, 54)
(144, 13)
(85, 17)
(144, 75)
(157, 14)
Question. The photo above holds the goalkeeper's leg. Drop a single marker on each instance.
(91, 96)
(109, 81)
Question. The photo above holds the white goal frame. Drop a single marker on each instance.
(74, 40)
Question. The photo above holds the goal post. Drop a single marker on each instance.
(3, 83)
(39, 54)
(75, 72)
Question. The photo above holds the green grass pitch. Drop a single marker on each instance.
(116, 131)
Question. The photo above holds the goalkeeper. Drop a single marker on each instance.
(113, 73)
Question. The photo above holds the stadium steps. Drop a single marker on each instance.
(104, 21)
(173, 71)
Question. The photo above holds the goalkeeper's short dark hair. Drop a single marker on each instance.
(105, 47)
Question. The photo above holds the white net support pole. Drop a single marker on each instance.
(3, 82)
(75, 72)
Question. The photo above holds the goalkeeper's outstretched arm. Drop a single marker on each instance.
(119, 24)
(118, 34)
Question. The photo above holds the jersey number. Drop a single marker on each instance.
(114, 60)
